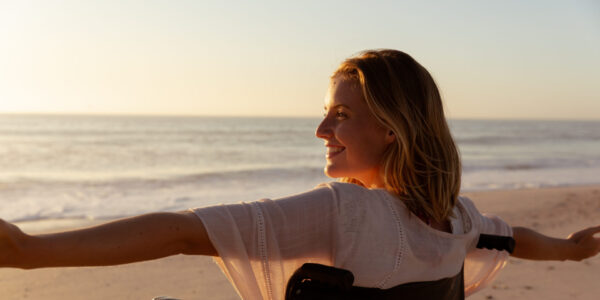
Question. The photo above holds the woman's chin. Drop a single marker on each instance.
(333, 172)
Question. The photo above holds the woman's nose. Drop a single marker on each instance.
(324, 130)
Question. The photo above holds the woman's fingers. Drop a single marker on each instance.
(586, 245)
(591, 231)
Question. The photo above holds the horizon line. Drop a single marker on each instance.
(163, 115)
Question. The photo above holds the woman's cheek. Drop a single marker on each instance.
(344, 134)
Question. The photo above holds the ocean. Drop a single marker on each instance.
(104, 167)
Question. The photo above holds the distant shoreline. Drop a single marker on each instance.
(316, 116)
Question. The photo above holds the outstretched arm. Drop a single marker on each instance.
(530, 244)
(123, 241)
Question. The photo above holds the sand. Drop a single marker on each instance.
(555, 212)
(552, 211)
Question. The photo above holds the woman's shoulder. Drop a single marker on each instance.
(466, 205)
(346, 187)
(485, 222)
(320, 195)
(340, 185)
(344, 192)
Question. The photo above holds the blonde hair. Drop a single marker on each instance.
(422, 167)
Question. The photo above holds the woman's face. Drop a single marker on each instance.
(355, 140)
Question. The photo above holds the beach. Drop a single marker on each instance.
(555, 211)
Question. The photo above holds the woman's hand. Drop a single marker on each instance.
(585, 244)
(11, 240)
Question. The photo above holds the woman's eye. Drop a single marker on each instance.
(340, 115)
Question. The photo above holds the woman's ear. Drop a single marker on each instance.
(390, 137)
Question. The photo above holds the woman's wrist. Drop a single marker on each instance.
(567, 251)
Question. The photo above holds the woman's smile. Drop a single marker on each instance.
(334, 150)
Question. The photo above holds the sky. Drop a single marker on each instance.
(491, 59)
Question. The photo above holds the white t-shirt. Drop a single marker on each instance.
(366, 231)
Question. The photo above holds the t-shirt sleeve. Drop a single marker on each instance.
(482, 265)
(260, 244)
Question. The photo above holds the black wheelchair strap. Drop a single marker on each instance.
(502, 243)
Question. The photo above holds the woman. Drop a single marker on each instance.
(394, 218)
